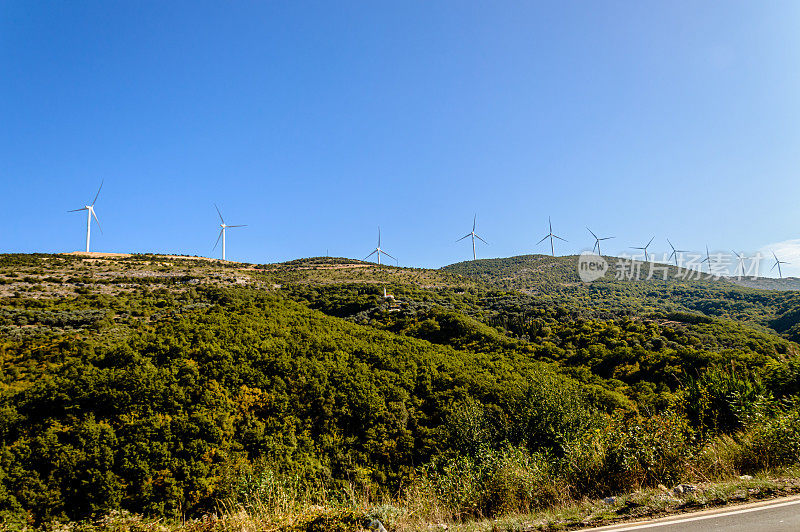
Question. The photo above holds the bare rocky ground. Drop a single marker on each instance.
(55, 276)
(62, 275)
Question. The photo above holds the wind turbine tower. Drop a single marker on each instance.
(378, 249)
(597, 241)
(89, 215)
(224, 226)
(675, 252)
(708, 260)
(778, 264)
(551, 236)
(741, 259)
(474, 235)
(645, 248)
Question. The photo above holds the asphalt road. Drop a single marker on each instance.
(779, 515)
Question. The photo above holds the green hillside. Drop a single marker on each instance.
(168, 386)
(554, 281)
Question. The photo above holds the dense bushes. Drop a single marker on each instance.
(491, 482)
(765, 442)
(723, 398)
(772, 442)
(617, 454)
(629, 453)
(474, 400)
(169, 420)
(654, 356)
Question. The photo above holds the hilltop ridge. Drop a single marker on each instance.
(529, 272)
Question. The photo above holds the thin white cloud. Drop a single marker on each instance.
(788, 251)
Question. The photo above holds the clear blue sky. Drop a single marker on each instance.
(314, 122)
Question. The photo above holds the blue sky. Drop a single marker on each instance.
(314, 122)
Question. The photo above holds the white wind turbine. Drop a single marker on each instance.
(778, 264)
(708, 260)
(646, 256)
(551, 236)
(474, 235)
(378, 249)
(597, 241)
(741, 258)
(676, 252)
(224, 226)
(89, 214)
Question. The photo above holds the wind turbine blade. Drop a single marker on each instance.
(220, 214)
(96, 220)
(371, 254)
(463, 237)
(558, 237)
(98, 192)
(76, 210)
(651, 241)
(218, 237)
(634, 247)
(482, 240)
(542, 240)
(382, 251)
(550, 223)
(594, 235)
(606, 238)
(474, 221)
(379, 236)
(773, 266)
(670, 245)
(244, 225)
(774, 255)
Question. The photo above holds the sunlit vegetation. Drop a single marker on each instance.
(173, 387)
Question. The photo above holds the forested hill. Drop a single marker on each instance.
(532, 272)
(169, 386)
(554, 282)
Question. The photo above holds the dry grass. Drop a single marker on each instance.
(416, 511)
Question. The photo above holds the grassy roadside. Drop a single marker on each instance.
(649, 503)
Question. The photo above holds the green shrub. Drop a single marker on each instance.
(766, 443)
(514, 481)
(772, 443)
(549, 414)
(629, 453)
(496, 482)
(723, 398)
(720, 457)
(470, 428)
(454, 482)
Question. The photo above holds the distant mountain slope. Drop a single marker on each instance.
(529, 272)
(768, 283)
(554, 282)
